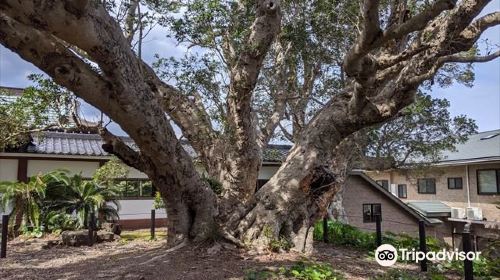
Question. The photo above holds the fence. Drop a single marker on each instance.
(466, 240)
(91, 226)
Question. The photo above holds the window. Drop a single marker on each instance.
(370, 211)
(427, 185)
(384, 184)
(260, 183)
(135, 188)
(455, 183)
(488, 181)
(402, 191)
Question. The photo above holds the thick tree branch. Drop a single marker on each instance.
(475, 29)
(471, 59)
(115, 145)
(131, 19)
(102, 39)
(358, 64)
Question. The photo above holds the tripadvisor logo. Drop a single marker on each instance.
(387, 255)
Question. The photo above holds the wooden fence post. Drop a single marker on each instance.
(153, 223)
(423, 244)
(468, 268)
(379, 229)
(325, 229)
(91, 224)
(5, 227)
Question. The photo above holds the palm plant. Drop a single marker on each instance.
(75, 195)
(24, 199)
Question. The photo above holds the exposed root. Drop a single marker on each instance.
(179, 246)
(229, 237)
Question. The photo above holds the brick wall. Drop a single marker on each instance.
(394, 218)
(451, 197)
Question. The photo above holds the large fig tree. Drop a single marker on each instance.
(389, 48)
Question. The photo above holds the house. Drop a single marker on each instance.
(83, 154)
(463, 188)
(364, 199)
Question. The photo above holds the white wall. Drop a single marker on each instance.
(130, 208)
(87, 168)
(8, 172)
(267, 172)
(133, 209)
(8, 169)
(136, 174)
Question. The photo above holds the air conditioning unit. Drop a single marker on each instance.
(458, 213)
(474, 213)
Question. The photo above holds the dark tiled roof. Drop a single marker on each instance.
(11, 91)
(79, 144)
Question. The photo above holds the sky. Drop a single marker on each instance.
(481, 102)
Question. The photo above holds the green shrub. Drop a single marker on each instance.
(397, 274)
(214, 184)
(303, 270)
(158, 203)
(276, 244)
(485, 268)
(347, 235)
(57, 222)
(313, 271)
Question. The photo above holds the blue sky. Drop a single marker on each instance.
(481, 102)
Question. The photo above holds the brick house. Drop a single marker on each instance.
(363, 199)
(466, 182)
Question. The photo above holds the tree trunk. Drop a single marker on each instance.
(287, 206)
(191, 209)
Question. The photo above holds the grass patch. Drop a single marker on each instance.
(303, 270)
(132, 235)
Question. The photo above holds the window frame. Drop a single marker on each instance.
(497, 177)
(141, 195)
(382, 185)
(372, 218)
(450, 179)
(405, 191)
(426, 192)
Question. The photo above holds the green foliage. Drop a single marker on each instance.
(421, 134)
(401, 274)
(280, 244)
(107, 174)
(313, 271)
(276, 244)
(56, 201)
(158, 202)
(303, 270)
(347, 235)
(57, 222)
(487, 266)
(214, 184)
(258, 275)
(45, 105)
(25, 200)
(73, 194)
(397, 274)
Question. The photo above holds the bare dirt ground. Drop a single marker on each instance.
(141, 259)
